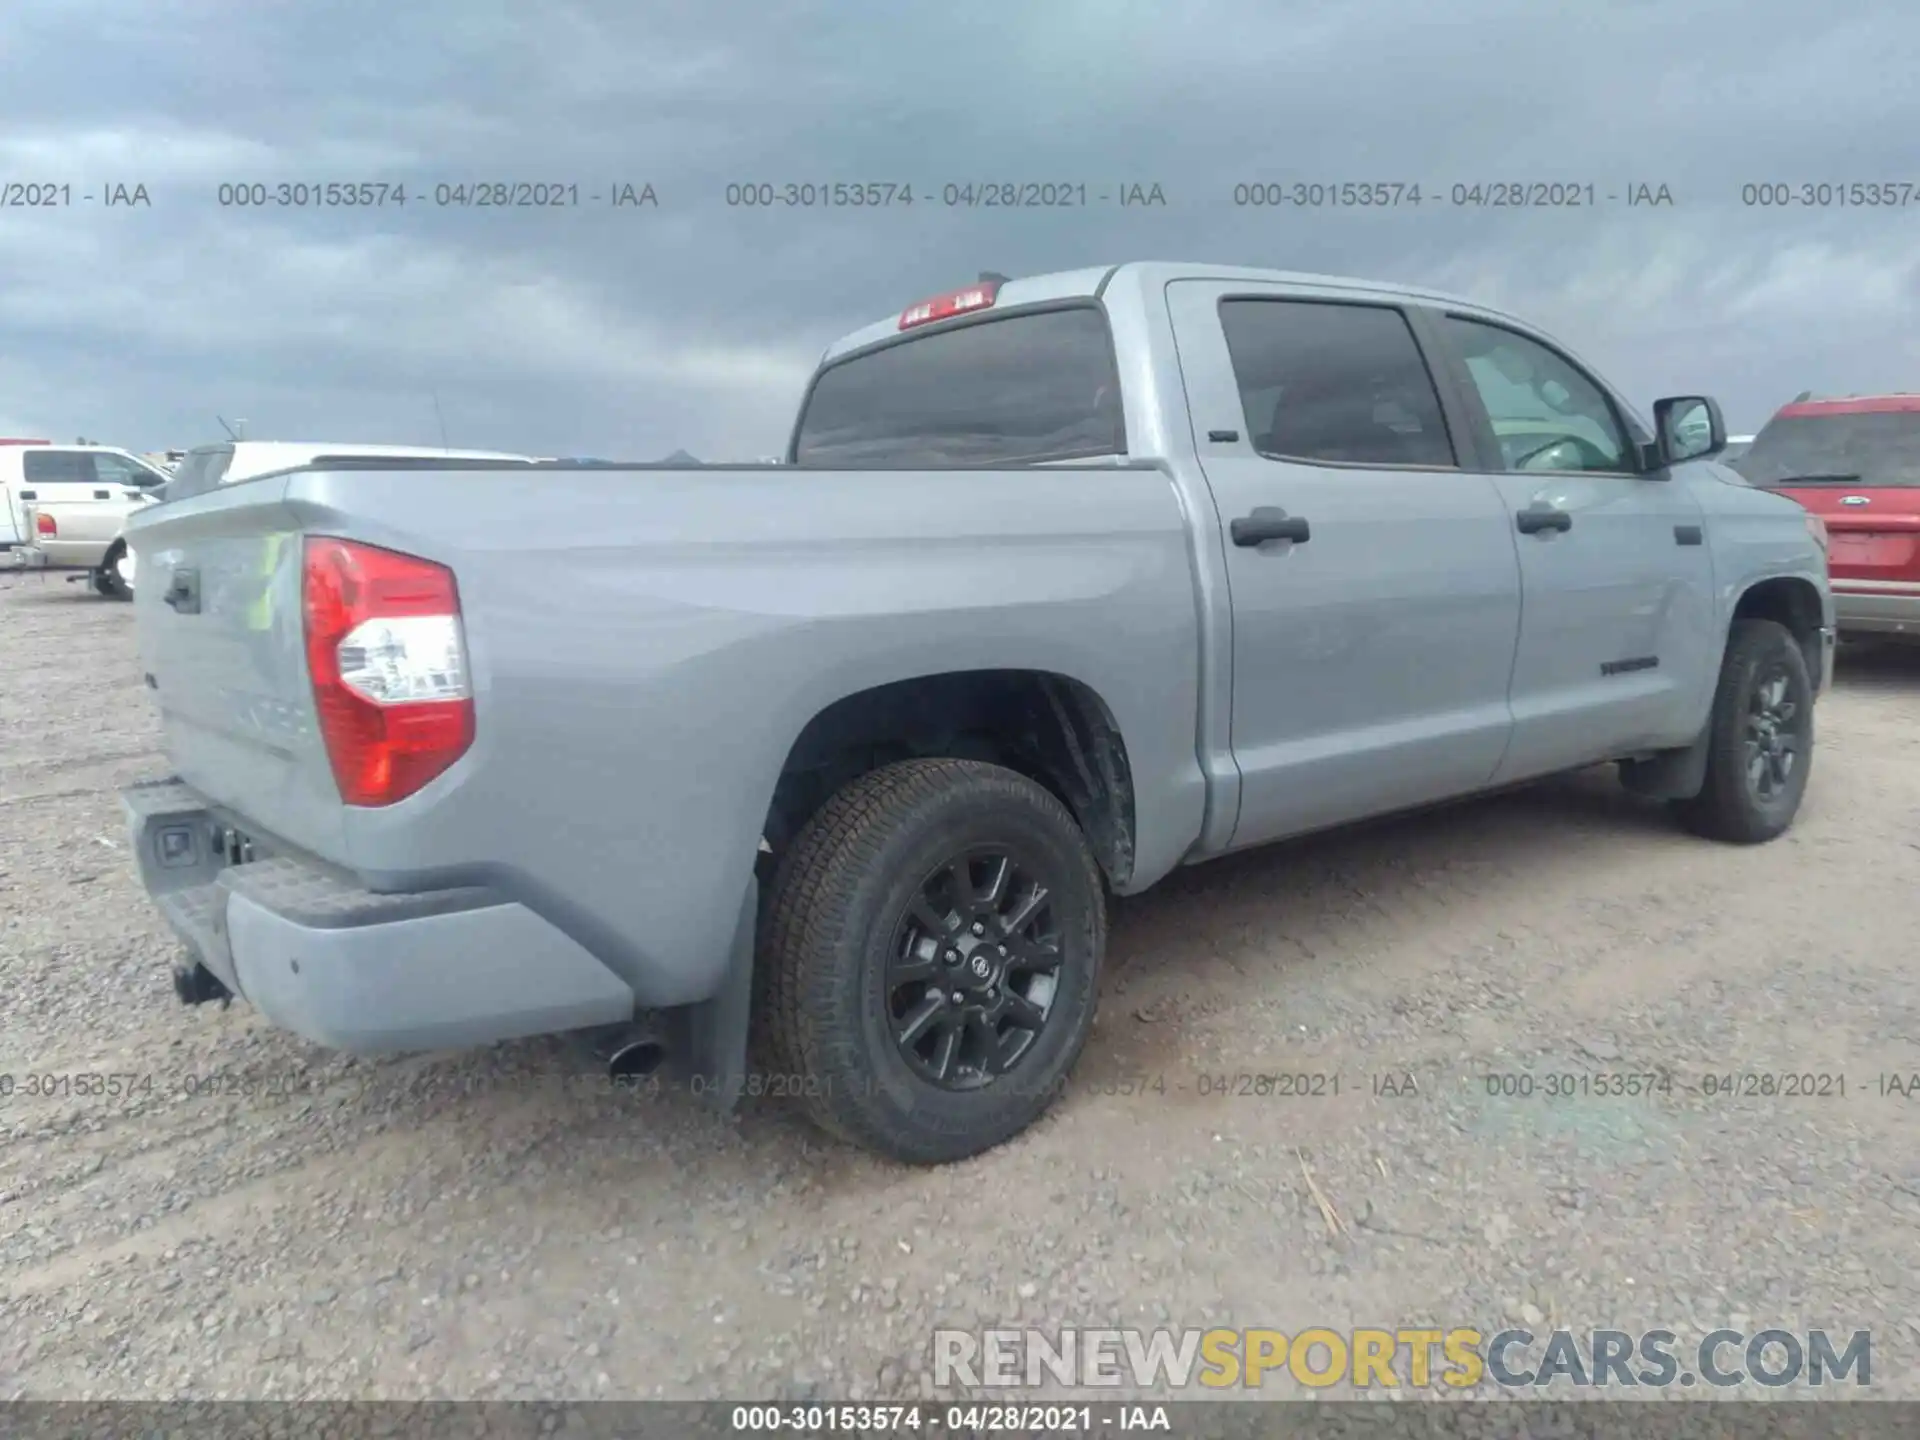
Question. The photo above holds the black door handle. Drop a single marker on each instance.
(1688, 535)
(103, 494)
(183, 595)
(1269, 522)
(1536, 518)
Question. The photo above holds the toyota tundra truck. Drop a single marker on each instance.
(823, 772)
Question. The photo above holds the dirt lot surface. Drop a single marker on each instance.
(258, 1218)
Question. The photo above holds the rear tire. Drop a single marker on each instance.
(914, 884)
(114, 578)
(1760, 739)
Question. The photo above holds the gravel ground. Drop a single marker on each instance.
(261, 1219)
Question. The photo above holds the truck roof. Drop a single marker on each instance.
(1151, 274)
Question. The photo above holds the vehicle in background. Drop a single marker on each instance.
(99, 479)
(1737, 445)
(205, 466)
(86, 536)
(1069, 581)
(88, 533)
(1855, 463)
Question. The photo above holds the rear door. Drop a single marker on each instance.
(1855, 464)
(1376, 597)
(1618, 643)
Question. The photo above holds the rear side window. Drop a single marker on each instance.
(57, 467)
(1334, 382)
(199, 472)
(1867, 448)
(1032, 387)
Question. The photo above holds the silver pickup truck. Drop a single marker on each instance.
(1067, 581)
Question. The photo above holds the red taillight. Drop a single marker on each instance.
(387, 660)
(954, 302)
(43, 524)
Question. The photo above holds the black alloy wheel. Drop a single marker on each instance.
(974, 967)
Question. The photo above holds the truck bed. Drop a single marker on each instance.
(633, 641)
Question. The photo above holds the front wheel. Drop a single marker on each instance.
(1760, 738)
(931, 958)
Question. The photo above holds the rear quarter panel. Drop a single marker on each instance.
(647, 645)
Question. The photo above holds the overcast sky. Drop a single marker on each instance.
(627, 332)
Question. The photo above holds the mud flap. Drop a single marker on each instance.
(716, 1030)
(1672, 774)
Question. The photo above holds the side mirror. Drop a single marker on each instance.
(1687, 427)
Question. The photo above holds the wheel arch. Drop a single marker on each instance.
(1792, 601)
(1051, 727)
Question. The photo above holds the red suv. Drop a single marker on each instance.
(1856, 464)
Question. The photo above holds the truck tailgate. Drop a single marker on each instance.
(219, 623)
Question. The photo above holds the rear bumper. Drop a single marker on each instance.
(1877, 612)
(354, 970)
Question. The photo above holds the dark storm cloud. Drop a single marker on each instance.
(599, 331)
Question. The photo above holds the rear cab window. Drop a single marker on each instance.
(1334, 382)
(1837, 445)
(1028, 386)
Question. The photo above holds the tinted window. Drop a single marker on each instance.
(1344, 383)
(1547, 415)
(1879, 448)
(199, 472)
(1029, 387)
(57, 467)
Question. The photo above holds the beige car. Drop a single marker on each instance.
(84, 534)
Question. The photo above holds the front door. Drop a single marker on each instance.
(1375, 590)
(1617, 644)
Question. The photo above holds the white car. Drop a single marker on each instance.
(39, 471)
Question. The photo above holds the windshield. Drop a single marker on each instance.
(1025, 388)
(1875, 448)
